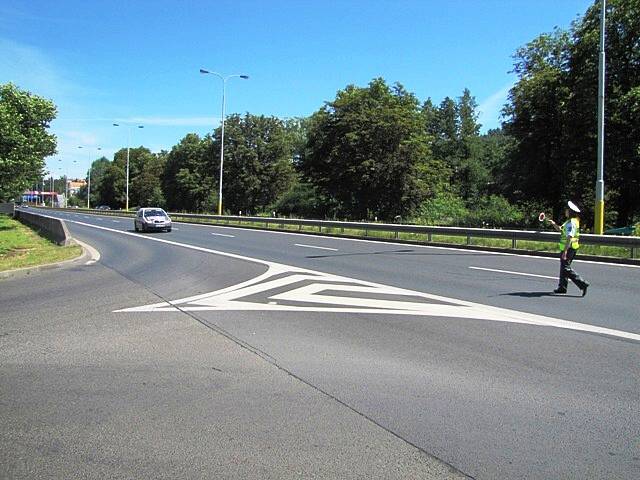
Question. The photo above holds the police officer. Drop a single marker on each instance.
(568, 246)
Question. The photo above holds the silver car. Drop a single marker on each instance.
(151, 219)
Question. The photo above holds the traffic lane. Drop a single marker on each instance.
(87, 392)
(493, 400)
(444, 272)
(274, 352)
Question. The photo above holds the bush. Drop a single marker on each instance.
(445, 209)
(494, 211)
(301, 200)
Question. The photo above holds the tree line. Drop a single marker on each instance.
(378, 152)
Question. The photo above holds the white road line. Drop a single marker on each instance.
(95, 254)
(314, 246)
(223, 235)
(487, 312)
(414, 245)
(115, 221)
(513, 273)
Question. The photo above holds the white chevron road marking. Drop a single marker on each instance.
(307, 296)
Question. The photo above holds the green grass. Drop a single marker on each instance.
(22, 247)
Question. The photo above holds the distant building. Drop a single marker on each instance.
(43, 198)
(75, 185)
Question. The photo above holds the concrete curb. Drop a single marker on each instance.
(89, 256)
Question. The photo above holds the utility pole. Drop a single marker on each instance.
(598, 224)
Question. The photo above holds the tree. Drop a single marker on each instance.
(258, 162)
(98, 169)
(112, 186)
(187, 180)
(552, 115)
(369, 152)
(24, 139)
(622, 109)
(537, 120)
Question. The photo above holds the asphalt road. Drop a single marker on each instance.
(458, 355)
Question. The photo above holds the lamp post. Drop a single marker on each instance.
(89, 178)
(224, 85)
(599, 213)
(128, 147)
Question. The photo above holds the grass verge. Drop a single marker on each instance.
(22, 247)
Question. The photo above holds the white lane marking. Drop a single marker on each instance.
(513, 273)
(308, 296)
(315, 246)
(95, 254)
(223, 235)
(412, 245)
(468, 251)
(475, 310)
(115, 221)
(174, 228)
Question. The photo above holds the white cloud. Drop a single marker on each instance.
(489, 110)
(32, 70)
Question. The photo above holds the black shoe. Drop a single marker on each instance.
(560, 290)
(584, 290)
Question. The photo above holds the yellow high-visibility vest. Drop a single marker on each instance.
(575, 244)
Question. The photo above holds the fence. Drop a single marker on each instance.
(421, 233)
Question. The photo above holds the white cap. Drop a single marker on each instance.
(573, 206)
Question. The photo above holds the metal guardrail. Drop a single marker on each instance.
(632, 243)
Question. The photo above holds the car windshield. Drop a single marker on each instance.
(154, 213)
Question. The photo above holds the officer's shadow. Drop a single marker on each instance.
(537, 294)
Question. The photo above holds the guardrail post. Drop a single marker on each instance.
(396, 234)
(634, 252)
(513, 243)
(429, 237)
(468, 239)
(320, 228)
(366, 232)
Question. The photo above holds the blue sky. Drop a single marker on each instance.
(137, 62)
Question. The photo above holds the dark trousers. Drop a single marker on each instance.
(566, 272)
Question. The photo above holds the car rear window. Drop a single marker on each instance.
(154, 213)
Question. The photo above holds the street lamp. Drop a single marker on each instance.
(128, 146)
(89, 178)
(224, 85)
